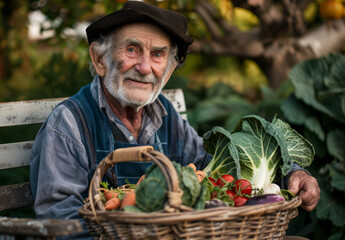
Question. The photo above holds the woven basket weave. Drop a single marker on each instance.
(265, 221)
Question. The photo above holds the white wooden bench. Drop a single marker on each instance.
(17, 154)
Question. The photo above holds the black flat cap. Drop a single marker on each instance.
(173, 23)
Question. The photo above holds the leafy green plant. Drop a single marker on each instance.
(317, 108)
(257, 150)
(221, 105)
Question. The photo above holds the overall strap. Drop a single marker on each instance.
(80, 119)
(81, 122)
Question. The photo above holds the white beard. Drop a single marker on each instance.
(112, 84)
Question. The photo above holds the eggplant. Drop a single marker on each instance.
(213, 203)
(265, 198)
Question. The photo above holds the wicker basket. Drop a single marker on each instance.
(265, 221)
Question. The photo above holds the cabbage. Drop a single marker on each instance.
(151, 193)
(258, 150)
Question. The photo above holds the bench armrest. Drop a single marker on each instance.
(39, 227)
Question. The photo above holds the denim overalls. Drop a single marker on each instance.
(100, 136)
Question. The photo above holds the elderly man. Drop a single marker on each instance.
(134, 51)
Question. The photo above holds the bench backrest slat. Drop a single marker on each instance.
(176, 97)
(14, 155)
(16, 196)
(26, 112)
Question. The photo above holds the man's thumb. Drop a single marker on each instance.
(293, 185)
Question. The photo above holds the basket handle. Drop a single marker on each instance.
(128, 154)
(141, 154)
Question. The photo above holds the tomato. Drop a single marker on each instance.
(331, 9)
(226, 178)
(213, 181)
(231, 194)
(240, 200)
(243, 186)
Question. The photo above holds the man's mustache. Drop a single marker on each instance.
(137, 76)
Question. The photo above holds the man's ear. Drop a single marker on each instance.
(169, 73)
(97, 61)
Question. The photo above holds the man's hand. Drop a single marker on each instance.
(306, 187)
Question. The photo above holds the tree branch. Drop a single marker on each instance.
(208, 18)
(326, 38)
(226, 39)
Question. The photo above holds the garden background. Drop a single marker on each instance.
(265, 57)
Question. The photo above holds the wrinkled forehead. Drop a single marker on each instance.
(145, 32)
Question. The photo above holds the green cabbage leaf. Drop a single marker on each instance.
(216, 142)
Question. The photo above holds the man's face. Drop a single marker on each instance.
(138, 69)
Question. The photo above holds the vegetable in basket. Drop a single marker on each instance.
(151, 192)
(265, 198)
(227, 189)
(257, 150)
(118, 198)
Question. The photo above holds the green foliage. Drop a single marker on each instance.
(333, 209)
(317, 109)
(65, 14)
(320, 84)
(221, 105)
(336, 172)
(60, 78)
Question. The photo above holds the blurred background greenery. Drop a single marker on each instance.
(238, 65)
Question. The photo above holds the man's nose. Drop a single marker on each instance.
(143, 64)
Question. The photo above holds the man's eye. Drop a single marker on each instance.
(157, 54)
(131, 50)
